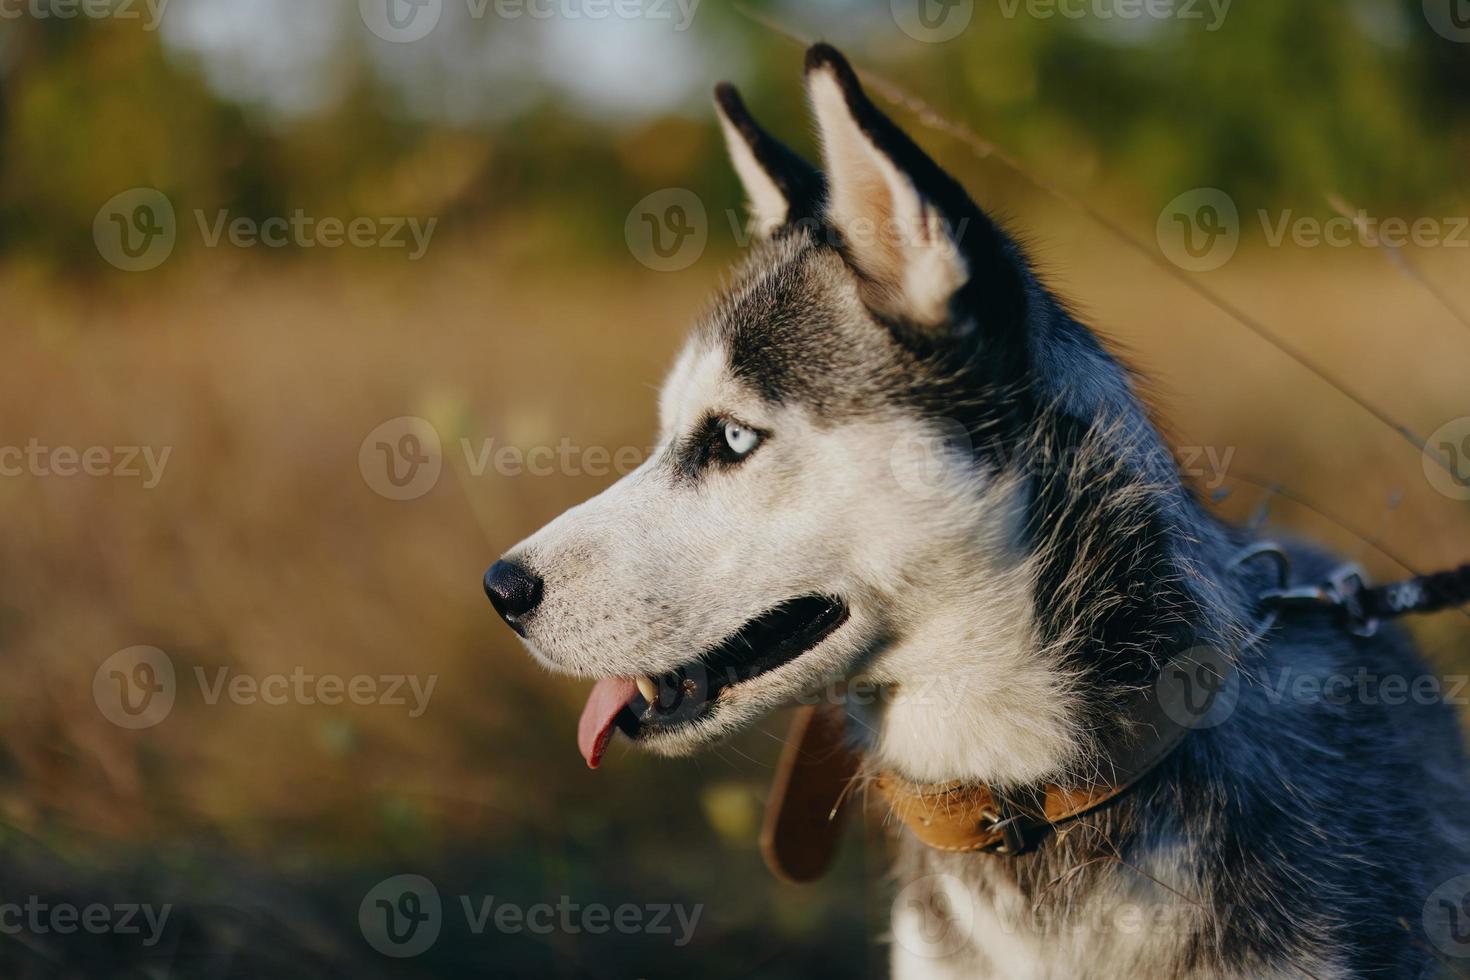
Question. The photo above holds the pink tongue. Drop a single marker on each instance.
(603, 704)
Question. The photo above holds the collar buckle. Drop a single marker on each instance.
(1008, 818)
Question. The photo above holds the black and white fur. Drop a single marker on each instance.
(1005, 604)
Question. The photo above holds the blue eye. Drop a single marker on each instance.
(741, 439)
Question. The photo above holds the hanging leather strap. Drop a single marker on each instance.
(804, 813)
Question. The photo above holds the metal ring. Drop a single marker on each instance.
(1273, 551)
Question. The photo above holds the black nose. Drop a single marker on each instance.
(513, 590)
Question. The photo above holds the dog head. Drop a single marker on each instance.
(818, 507)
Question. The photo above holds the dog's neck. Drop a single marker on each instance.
(966, 696)
(1110, 567)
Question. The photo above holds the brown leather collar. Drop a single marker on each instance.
(963, 816)
(973, 817)
(805, 810)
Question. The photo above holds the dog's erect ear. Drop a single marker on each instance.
(906, 226)
(781, 187)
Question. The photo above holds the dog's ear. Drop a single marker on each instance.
(781, 187)
(905, 225)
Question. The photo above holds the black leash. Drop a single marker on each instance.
(1422, 593)
(1346, 591)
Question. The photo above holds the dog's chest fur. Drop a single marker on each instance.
(966, 916)
(1298, 838)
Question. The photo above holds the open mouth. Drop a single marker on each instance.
(642, 705)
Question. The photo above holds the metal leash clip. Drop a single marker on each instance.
(1342, 591)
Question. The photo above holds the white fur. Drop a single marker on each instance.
(768, 206)
(959, 916)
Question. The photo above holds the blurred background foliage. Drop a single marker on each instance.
(283, 105)
(528, 321)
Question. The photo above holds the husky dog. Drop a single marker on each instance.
(1006, 592)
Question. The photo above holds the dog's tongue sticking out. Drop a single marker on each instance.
(603, 704)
